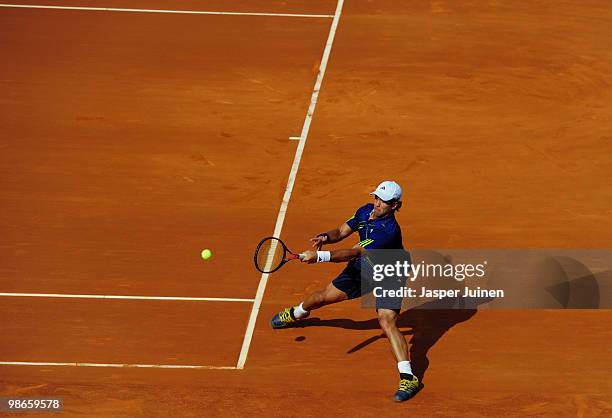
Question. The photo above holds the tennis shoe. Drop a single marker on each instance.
(284, 318)
(408, 387)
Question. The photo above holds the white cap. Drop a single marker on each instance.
(388, 190)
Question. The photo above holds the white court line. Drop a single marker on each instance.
(71, 296)
(248, 336)
(188, 12)
(116, 365)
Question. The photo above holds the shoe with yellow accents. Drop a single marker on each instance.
(284, 318)
(408, 387)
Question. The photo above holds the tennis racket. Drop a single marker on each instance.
(271, 254)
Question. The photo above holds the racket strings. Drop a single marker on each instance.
(270, 255)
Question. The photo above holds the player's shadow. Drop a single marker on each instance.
(427, 323)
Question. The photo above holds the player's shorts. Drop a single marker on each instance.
(350, 282)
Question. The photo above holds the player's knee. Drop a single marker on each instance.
(386, 319)
(330, 295)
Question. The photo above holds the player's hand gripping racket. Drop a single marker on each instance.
(271, 254)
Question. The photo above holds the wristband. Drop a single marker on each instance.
(323, 256)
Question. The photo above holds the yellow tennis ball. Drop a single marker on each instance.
(206, 254)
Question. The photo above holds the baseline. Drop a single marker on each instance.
(190, 12)
(73, 296)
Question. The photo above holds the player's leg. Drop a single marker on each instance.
(320, 298)
(315, 300)
(387, 319)
(346, 286)
(409, 384)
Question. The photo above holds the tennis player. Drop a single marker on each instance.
(378, 229)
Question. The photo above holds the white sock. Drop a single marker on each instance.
(299, 312)
(404, 367)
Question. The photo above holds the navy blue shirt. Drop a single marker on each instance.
(376, 234)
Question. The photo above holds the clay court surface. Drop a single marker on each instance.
(131, 141)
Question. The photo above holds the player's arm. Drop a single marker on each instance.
(335, 256)
(377, 240)
(330, 237)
